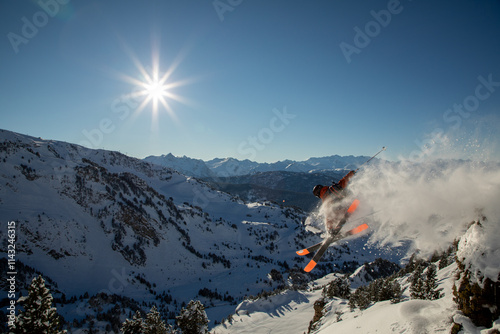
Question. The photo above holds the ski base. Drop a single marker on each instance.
(315, 247)
(323, 246)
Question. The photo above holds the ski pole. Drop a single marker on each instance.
(367, 161)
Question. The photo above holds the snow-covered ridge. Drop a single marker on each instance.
(479, 251)
(185, 165)
(233, 167)
(99, 221)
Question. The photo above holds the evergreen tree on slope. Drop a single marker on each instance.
(417, 283)
(339, 287)
(38, 316)
(193, 319)
(154, 324)
(430, 283)
(423, 283)
(134, 326)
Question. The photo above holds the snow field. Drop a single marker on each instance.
(291, 312)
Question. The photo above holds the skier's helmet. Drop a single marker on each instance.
(317, 190)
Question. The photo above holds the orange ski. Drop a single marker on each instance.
(353, 206)
(315, 247)
(322, 246)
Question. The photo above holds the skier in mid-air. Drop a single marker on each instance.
(336, 215)
(332, 196)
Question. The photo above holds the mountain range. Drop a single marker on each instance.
(286, 182)
(230, 167)
(112, 234)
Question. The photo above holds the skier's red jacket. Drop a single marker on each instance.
(336, 189)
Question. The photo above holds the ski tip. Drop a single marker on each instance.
(360, 228)
(353, 206)
(310, 266)
(302, 252)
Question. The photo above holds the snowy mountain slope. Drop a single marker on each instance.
(99, 221)
(479, 251)
(291, 311)
(76, 207)
(408, 316)
(431, 205)
(479, 245)
(287, 313)
(184, 165)
(229, 167)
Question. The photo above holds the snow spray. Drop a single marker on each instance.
(431, 203)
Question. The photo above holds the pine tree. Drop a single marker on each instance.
(193, 319)
(339, 287)
(417, 283)
(412, 263)
(472, 298)
(154, 324)
(423, 283)
(134, 326)
(375, 290)
(38, 316)
(443, 261)
(360, 298)
(397, 293)
(385, 291)
(430, 283)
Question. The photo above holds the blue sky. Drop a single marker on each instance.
(264, 80)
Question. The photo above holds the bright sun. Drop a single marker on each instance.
(156, 88)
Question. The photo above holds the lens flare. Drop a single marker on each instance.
(155, 88)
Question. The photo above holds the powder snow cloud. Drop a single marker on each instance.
(431, 203)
